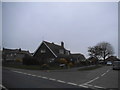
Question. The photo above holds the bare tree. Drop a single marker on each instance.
(101, 50)
(106, 49)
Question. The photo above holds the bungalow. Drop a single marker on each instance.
(50, 52)
(77, 57)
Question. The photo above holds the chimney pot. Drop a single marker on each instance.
(62, 44)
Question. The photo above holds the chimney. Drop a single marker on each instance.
(62, 44)
(19, 49)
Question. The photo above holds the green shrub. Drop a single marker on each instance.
(29, 60)
(70, 64)
(62, 61)
(18, 60)
(45, 67)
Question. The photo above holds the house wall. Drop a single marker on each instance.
(19, 56)
(12, 55)
(44, 54)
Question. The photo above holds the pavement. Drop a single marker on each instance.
(101, 78)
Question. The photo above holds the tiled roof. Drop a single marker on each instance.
(16, 51)
(55, 48)
(78, 55)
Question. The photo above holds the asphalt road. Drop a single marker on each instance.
(19, 80)
(103, 78)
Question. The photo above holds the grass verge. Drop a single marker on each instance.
(89, 68)
(32, 67)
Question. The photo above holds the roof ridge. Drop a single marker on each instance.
(50, 49)
(53, 44)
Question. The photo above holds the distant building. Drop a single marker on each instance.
(13, 54)
(49, 52)
(94, 60)
(112, 59)
(77, 57)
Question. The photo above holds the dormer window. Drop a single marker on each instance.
(11, 54)
(61, 51)
(67, 52)
(43, 51)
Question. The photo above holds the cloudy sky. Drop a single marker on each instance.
(78, 24)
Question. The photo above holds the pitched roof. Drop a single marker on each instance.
(54, 48)
(78, 55)
(10, 50)
(16, 51)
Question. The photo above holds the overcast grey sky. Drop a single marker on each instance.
(79, 25)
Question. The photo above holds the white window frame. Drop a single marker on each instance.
(61, 51)
(43, 51)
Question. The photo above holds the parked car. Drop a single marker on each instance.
(109, 63)
(116, 65)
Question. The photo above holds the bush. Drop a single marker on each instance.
(29, 60)
(18, 60)
(70, 64)
(62, 61)
(45, 67)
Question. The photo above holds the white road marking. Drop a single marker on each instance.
(44, 77)
(103, 74)
(39, 76)
(33, 75)
(71, 83)
(107, 70)
(17, 71)
(61, 81)
(92, 85)
(3, 86)
(29, 74)
(98, 87)
(52, 79)
(24, 73)
(88, 85)
(83, 86)
(92, 80)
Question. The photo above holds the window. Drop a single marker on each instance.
(43, 51)
(67, 53)
(15, 54)
(61, 51)
(11, 54)
(52, 60)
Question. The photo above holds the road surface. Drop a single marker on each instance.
(102, 78)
